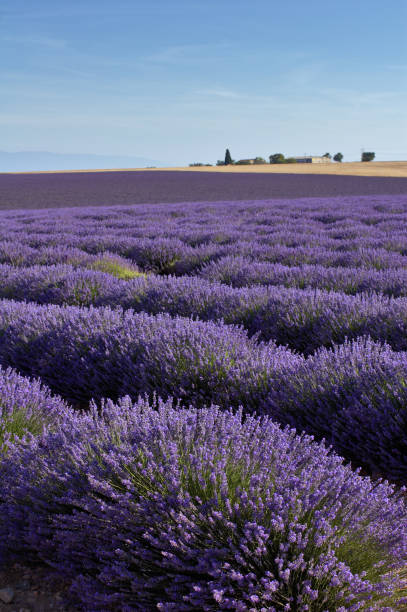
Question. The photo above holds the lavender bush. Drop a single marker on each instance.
(22, 255)
(353, 396)
(26, 406)
(98, 352)
(156, 507)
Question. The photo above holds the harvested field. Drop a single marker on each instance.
(391, 168)
(387, 168)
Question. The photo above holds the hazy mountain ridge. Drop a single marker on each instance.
(30, 161)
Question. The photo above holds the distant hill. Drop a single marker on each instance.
(31, 161)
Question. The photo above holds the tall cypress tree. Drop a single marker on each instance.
(228, 158)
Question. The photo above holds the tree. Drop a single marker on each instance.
(338, 157)
(368, 156)
(228, 158)
(327, 155)
(290, 160)
(277, 158)
(259, 160)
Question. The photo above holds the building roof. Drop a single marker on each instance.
(309, 157)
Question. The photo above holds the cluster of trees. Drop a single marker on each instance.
(278, 158)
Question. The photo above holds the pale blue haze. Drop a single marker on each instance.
(176, 82)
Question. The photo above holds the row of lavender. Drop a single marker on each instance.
(304, 320)
(154, 506)
(233, 270)
(171, 255)
(354, 395)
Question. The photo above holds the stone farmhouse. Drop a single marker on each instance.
(312, 159)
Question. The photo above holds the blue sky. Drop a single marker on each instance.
(179, 81)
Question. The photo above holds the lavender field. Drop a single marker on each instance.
(61, 189)
(204, 404)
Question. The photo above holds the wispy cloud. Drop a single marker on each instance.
(220, 93)
(46, 93)
(74, 120)
(246, 101)
(65, 10)
(36, 41)
(352, 97)
(176, 53)
(304, 75)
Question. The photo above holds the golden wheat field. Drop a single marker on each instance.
(396, 168)
(388, 168)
